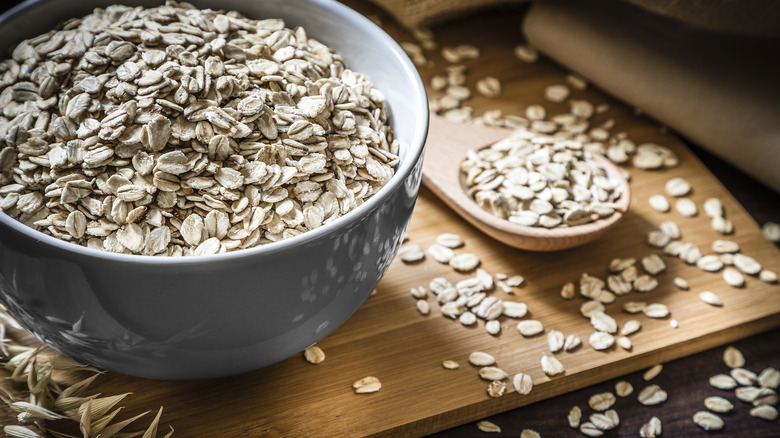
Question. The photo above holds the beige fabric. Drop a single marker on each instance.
(747, 17)
(744, 17)
(417, 13)
(721, 92)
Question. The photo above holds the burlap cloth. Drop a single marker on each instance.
(747, 17)
(706, 68)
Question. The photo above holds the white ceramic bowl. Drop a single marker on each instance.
(198, 317)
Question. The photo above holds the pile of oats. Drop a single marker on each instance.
(536, 180)
(177, 131)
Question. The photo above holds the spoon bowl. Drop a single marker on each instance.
(446, 148)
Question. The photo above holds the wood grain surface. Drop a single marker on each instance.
(389, 339)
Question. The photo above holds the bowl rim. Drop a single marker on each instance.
(405, 167)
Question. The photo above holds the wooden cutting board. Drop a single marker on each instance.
(389, 339)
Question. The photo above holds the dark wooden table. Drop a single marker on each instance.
(686, 379)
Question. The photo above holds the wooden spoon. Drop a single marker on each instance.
(446, 148)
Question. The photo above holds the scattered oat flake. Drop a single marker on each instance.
(551, 366)
(653, 264)
(515, 281)
(630, 327)
(450, 240)
(634, 306)
(651, 429)
(574, 417)
(659, 203)
(492, 373)
(411, 253)
(440, 253)
(681, 283)
(713, 207)
(645, 283)
(623, 388)
(711, 298)
(708, 421)
(710, 263)
(671, 229)
(733, 277)
(555, 340)
(686, 207)
(493, 326)
(488, 427)
(526, 53)
(673, 323)
(771, 231)
(530, 327)
(489, 87)
(529, 433)
(722, 225)
(523, 383)
(718, 404)
(588, 308)
(467, 318)
(657, 238)
(603, 322)
(496, 389)
(725, 246)
(419, 292)
(601, 401)
(450, 365)
(481, 359)
(733, 358)
(766, 412)
(765, 396)
(515, 309)
(572, 342)
(423, 307)
(747, 393)
(769, 378)
(314, 354)
(624, 343)
(652, 372)
(678, 187)
(747, 264)
(656, 310)
(568, 291)
(464, 262)
(590, 429)
(556, 93)
(601, 340)
(768, 276)
(485, 278)
(604, 421)
(576, 81)
(723, 381)
(367, 385)
(743, 377)
(652, 395)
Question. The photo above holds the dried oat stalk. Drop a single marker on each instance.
(50, 405)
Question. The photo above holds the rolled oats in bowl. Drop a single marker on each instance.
(181, 131)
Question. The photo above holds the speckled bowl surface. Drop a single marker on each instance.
(210, 316)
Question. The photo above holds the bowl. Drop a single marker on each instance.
(224, 314)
